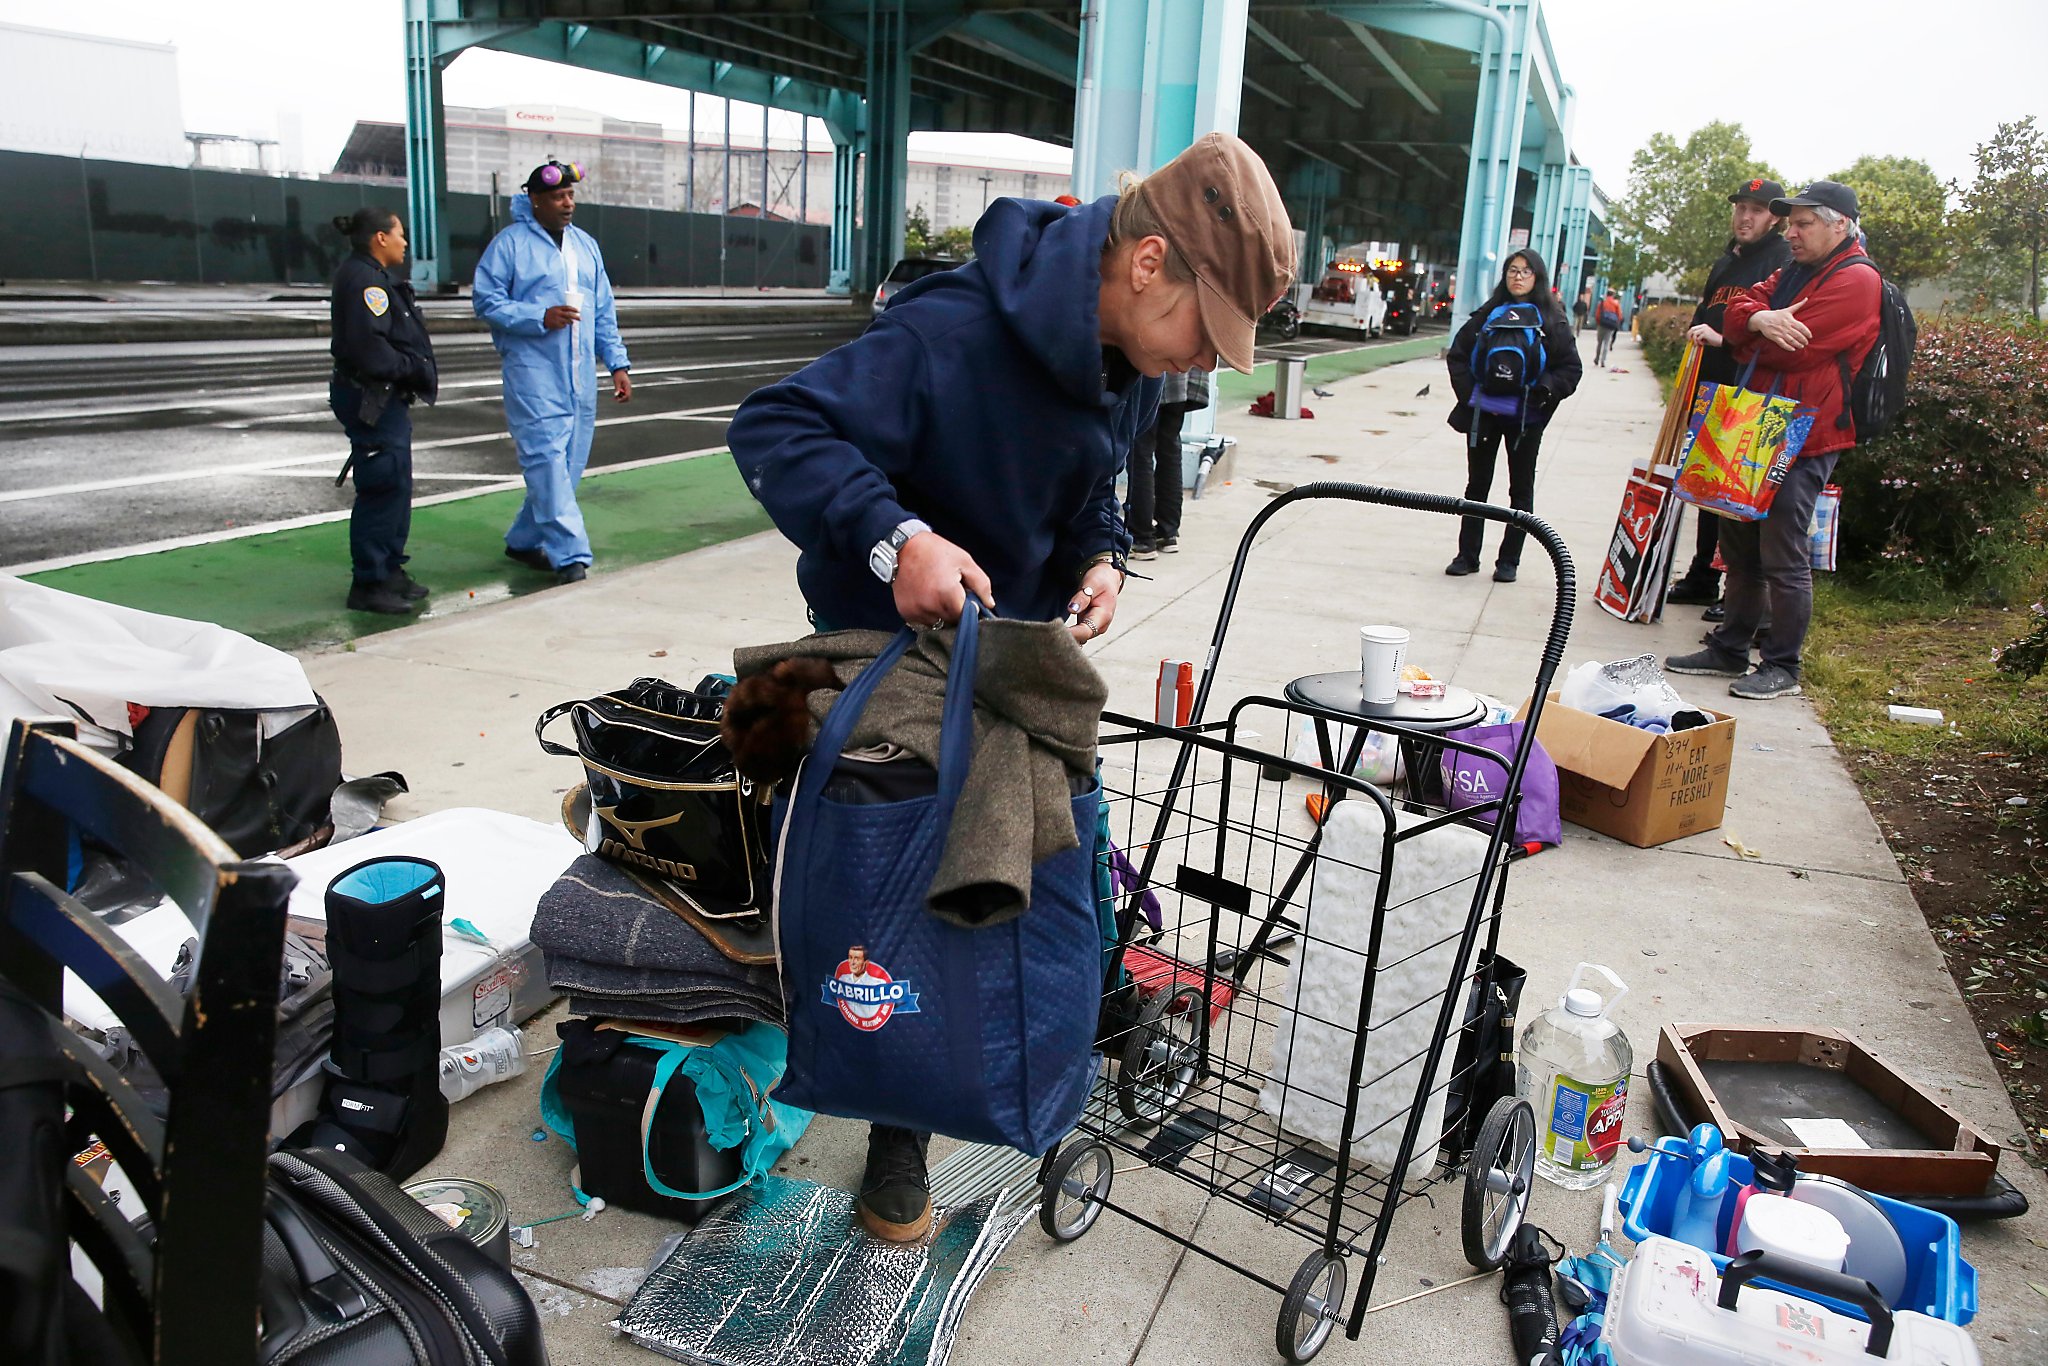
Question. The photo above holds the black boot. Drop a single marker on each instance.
(383, 1102)
(380, 597)
(895, 1194)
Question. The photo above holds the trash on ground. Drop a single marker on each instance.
(1915, 716)
(1734, 841)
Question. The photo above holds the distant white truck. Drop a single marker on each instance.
(1349, 299)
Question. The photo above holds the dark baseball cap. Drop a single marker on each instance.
(1758, 191)
(1824, 194)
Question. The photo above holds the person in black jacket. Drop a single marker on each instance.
(1756, 251)
(1524, 280)
(382, 362)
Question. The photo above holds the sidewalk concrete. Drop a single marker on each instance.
(1821, 930)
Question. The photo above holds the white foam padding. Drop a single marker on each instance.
(1429, 897)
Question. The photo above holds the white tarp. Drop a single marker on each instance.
(64, 655)
(497, 866)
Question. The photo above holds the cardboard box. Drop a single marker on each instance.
(1641, 788)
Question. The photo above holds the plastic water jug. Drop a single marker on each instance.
(1573, 1070)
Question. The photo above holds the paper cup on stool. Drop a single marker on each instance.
(1382, 650)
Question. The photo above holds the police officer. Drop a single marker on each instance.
(382, 362)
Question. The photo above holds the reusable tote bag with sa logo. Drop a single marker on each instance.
(897, 1016)
(1741, 446)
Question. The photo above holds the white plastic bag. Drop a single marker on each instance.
(1379, 761)
(1636, 684)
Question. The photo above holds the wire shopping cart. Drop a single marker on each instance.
(1323, 1087)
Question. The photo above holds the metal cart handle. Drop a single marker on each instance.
(1552, 543)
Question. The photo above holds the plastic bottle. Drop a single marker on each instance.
(497, 1054)
(1573, 1069)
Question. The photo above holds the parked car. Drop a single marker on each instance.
(1283, 319)
(1401, 309)
(906, 270)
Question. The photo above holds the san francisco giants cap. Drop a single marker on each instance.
(1219, 208)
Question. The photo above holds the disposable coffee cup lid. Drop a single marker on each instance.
(1386, 635)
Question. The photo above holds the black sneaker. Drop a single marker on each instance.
(1505, 573)
(572, 573)
(895, 1202)
(1169, 545)
(380, 597)
(1717, 663)
(532, 559)
(1460, 567)
(1768, 681)
(1695, 592)
(406, 585)
(1718, 612)
(1143, 550)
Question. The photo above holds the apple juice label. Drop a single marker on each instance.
(1585, 1122)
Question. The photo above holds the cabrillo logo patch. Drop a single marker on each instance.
(866, 995)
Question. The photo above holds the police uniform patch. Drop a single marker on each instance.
(376, 300)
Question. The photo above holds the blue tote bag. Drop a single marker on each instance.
(897, 1016)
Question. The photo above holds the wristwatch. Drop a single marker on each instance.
(882, 559)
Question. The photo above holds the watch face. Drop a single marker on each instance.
(882, 560)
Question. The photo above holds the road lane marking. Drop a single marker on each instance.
(333, 459)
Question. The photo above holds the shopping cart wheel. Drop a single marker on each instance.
(1075, 1186)
(1161, 1055)
(1499, 1178)
(1310, 1311)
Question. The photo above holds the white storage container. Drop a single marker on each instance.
(1665, 1311)
(1772, 1223)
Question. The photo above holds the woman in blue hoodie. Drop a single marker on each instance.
(970, 440)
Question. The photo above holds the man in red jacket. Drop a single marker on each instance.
(1806, 328)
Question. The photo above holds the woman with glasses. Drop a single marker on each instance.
(1512, 363)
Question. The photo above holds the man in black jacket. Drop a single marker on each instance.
(1756, 250)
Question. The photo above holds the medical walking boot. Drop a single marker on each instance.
(380, 597)
(895, 1194)
(383, 1101)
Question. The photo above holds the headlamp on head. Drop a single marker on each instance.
(553, 176)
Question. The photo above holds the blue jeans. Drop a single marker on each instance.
(382, 451)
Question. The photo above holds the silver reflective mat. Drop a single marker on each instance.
(782, 1275)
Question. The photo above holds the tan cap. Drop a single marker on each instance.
(1219, 208)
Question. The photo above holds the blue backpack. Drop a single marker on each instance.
(1509, 357)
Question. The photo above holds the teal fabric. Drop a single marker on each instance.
(386, 880)
(1105, 891)
(727, 1078)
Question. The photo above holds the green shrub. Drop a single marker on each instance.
(1952, 498)
(1662, 328)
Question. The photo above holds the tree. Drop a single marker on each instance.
(1676, 207)
(1904, 214)
(957, 242)
(2006, 207)
(917, 232)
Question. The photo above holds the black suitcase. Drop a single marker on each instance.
(358, 1273)
(604, 1081)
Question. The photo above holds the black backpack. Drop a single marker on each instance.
(1510, 350)
(1873, 397)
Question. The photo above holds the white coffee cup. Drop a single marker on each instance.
(1382, 650)
(573, 297)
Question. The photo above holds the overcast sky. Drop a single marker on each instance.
(1816, 85)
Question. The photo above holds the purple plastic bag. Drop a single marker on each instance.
(1470, 780)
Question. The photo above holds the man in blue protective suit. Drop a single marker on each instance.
(542, 288)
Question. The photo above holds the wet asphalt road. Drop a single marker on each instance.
(106, 447)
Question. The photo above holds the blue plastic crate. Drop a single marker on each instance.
(1939, 1283)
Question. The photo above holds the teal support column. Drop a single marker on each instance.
(1507, 38)
(1152, 78)
(426, 152)
(1308, 194)
(1578, 211)
(886, 142)
(843, 126)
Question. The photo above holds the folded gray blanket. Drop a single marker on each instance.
(620, 940)
(1037, 707)
(661, 1010)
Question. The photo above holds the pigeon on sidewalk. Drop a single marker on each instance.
(1323, 393)
(1423, 392)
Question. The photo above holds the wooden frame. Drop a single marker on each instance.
(1964, 1168)
(187, 1292)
